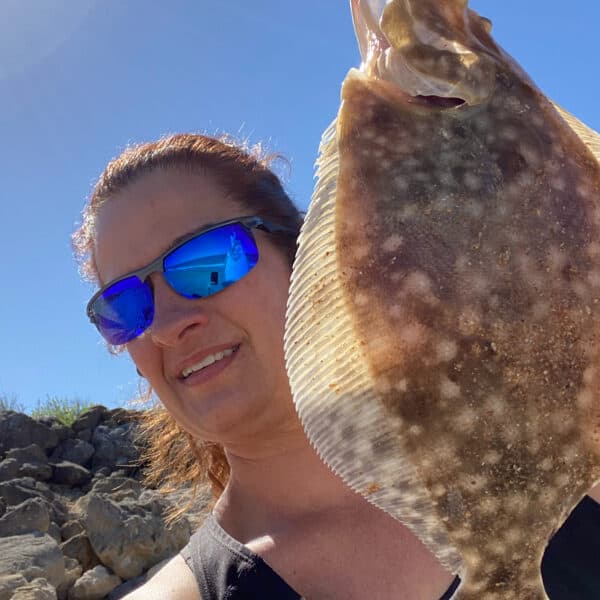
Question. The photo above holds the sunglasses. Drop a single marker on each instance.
(200, 265)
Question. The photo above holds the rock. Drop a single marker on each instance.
(118, 416)
(9, 468)
(38, 589)
(71, 528)
(71, 474)
(20, 489)
(102, 472)
(73, 450)
(127, 587)
(131, 536)
(107, 520)
(29, 453)
(62, 431)
(32, 461)
(94, 584)
(79, 548)
(39, 471)
(115, 446)
(18, 430)
(54, 532)
(124, 473)
(73, 572)
(16, 491)
(119, 488)
(58, 512)
(9, 583)
(85, 435)
(32, 555)
(90, 419)
(27, 517)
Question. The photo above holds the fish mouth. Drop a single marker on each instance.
(440, 101)
(441, 69)
(397, 95)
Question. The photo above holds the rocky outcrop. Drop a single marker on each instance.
(75, 521)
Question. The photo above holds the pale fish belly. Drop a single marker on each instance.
(444, 319)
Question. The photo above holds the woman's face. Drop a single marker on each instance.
(242, 394)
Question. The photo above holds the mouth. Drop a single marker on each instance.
(199, 364)
(440, 101)
(427, 101)
(429, 54)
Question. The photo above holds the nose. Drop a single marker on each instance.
(174, 315)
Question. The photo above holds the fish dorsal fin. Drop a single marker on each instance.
(330, 381)
(586, 134)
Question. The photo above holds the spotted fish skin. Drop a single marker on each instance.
(452, 250)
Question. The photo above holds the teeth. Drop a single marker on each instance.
(209, 360)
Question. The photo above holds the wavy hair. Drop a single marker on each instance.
(173, 458)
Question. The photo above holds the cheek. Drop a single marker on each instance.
(144, 356)
(269, 311)
(267, 298)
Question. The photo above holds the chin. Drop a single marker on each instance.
(220, 418)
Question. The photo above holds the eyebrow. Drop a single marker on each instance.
(174, 243)
(179, 239)
(184, 236)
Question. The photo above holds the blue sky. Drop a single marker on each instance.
(80, 79)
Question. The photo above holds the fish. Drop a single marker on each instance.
(442, 334)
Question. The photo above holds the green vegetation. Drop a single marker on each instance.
(66, 410)
(10, 403)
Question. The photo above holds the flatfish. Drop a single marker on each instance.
(443, 327)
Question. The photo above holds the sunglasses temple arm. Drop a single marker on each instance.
(276, 228)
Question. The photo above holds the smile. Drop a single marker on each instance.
(207, 361)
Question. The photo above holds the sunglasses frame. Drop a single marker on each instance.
(157, 265)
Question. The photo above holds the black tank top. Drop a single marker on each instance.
(226, 570)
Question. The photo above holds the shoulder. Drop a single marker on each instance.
(595, 493)
(174, 581)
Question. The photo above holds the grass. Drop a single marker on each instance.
(10, 403)
(66, 410)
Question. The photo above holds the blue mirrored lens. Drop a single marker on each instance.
(124, 310)
(210, 262)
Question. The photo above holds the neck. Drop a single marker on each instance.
(278, 481)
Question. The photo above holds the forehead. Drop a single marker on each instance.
(141, 221)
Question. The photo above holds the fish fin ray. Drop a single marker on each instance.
(330, 382)
(587, 135)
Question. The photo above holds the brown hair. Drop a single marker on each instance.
(173, 457)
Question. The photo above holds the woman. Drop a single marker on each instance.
(283, 526)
